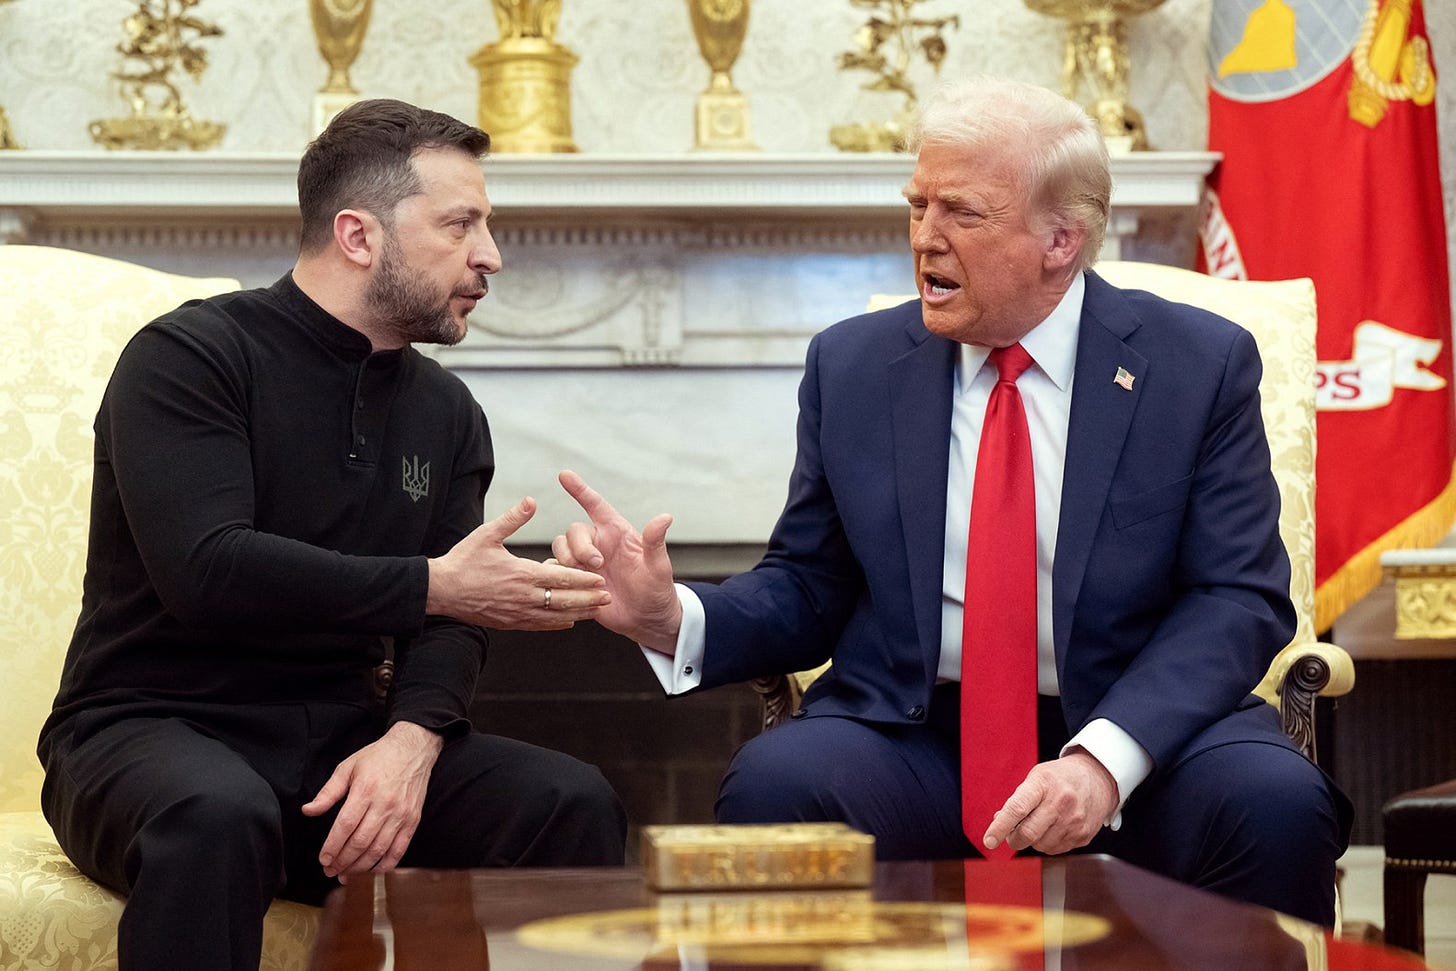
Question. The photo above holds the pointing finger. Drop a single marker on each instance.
(598, 509)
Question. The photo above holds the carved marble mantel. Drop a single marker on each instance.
(651, 318)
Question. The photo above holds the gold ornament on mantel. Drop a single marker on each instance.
(7, 138)
(887, 46)
(722, 117)
(525, 80)
(339, 27)
(1096, 54)
(155, 38)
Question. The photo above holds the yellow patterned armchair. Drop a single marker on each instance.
(65, 317)
(1281, 316)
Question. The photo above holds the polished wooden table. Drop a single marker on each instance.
(1095, 913)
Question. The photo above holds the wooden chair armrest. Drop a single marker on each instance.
(779, 694)
(1301, 673)
(778, 697)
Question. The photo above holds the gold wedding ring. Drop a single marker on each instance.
(547, 602)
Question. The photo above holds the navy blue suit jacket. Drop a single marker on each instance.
(1170, 584)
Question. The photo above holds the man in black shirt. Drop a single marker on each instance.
(285, 493)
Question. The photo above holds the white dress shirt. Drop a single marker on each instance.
(1046, 392)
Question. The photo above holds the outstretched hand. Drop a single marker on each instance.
(643, 604)
(481, 582)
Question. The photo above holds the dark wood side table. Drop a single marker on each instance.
(917, 915)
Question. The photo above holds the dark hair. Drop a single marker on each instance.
(362, 160)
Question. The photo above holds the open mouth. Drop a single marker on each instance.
(938, 286)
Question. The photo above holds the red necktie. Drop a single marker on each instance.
(998, 645)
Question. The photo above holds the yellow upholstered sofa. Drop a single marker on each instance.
(65, 317)
(1281, 316)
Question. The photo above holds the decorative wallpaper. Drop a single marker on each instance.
(635, 87)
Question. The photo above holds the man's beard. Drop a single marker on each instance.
(405, 303)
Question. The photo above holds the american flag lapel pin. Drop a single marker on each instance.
(1123, 379)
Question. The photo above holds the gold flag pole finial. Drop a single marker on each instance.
(339, 27)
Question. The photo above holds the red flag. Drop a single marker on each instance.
(1324, 112)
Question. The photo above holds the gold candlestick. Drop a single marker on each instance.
(722, 115)
(525, 80)
(7, 137)
(155, 39)
(1096, 53)
(887, 47)
(339, 27)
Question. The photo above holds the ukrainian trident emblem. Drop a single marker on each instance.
(416, 479)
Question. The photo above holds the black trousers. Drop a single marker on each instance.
(196, 818)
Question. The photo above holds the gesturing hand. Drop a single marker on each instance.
(638, 573)
(383, 788)
(480, 582)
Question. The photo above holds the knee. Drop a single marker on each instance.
(582, 792)
(222, 835)
(769, 784)
(1283, 804)
(578, 811)
(219, 823)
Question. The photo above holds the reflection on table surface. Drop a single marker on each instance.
(1079, 912)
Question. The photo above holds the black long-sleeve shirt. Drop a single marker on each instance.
(266, 492)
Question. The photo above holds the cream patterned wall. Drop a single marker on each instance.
(634, 88)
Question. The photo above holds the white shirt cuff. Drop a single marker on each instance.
(684, 670)
(1119, 754)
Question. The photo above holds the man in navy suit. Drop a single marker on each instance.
(1161, 582)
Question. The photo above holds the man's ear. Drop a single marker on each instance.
(1064, 248)
(357, 235)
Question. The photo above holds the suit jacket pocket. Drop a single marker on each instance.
(1145, 505)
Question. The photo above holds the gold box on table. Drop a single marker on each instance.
(787, 856)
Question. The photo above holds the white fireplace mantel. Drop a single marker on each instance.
(40, 188)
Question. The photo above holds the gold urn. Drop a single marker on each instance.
(339, 27)
(525, 80)
(722, 111)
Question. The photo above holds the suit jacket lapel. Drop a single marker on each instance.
(920, 401)
(1101, 413)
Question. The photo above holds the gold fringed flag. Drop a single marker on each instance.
(1324, 112)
